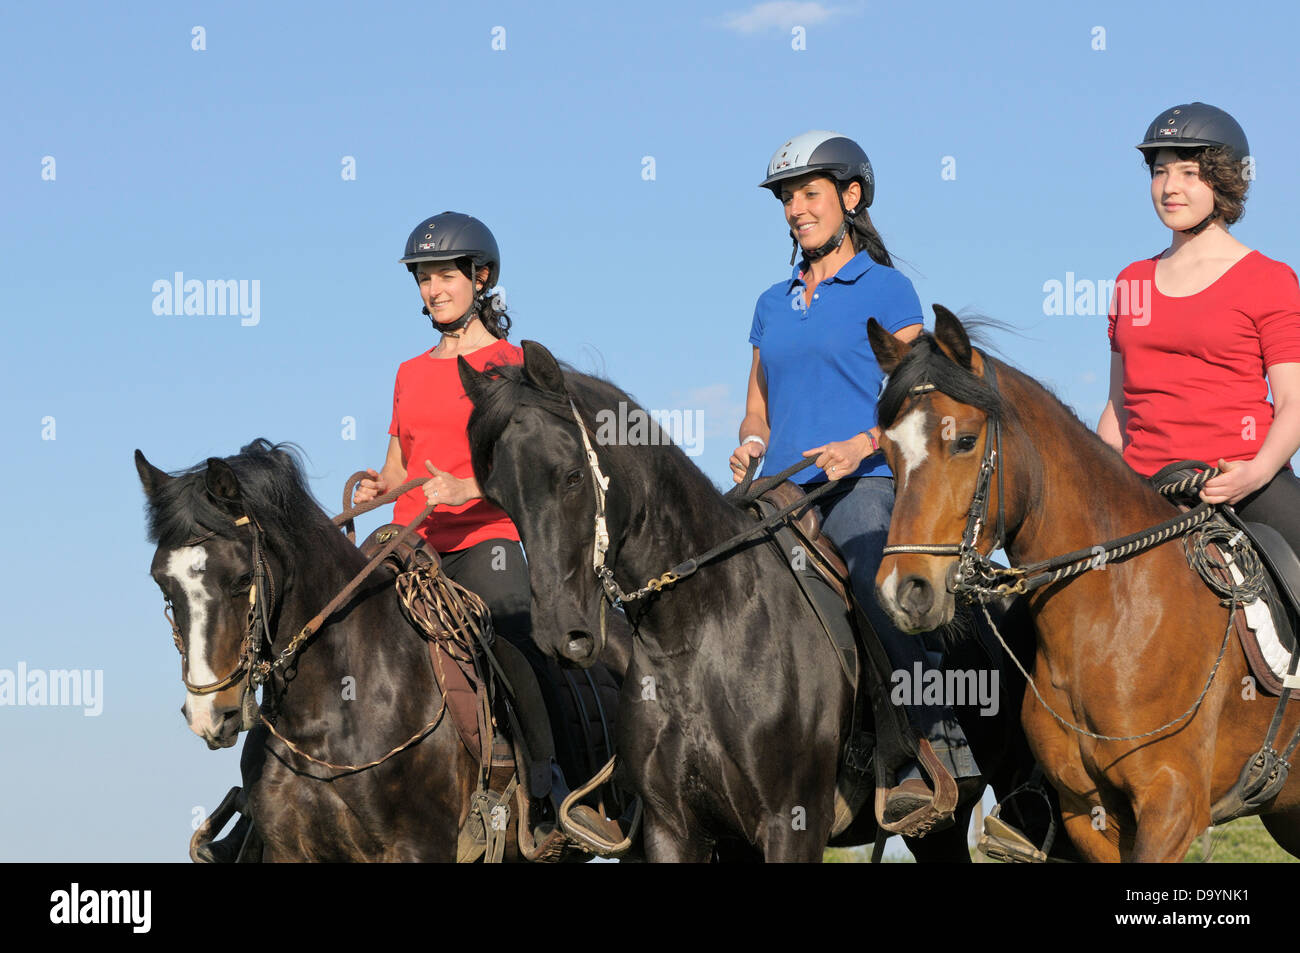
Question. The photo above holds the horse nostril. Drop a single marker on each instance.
(580, 645)
(916, 596)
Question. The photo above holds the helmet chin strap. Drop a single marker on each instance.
(835, 241)
(1197, 229)
(452, 328)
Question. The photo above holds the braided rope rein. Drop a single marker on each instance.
(1242, 593)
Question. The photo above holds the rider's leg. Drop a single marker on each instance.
(496, 571)
(857, 520)
(1276, 504)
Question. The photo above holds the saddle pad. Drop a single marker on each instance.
(1264, 632)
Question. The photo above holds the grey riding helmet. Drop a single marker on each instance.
(1192, 125)
(821, 151)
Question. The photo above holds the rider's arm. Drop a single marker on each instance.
(1283, 438)
(1111, 428)
(394, 471)
(755, 422)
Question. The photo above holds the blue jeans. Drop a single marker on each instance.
(855, 515)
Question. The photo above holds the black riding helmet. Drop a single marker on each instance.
(1194, 125)
(454, 236)
(840, 158)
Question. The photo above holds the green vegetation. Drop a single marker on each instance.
(1243, 841)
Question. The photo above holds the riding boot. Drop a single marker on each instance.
(226, 850)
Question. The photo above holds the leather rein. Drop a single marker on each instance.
(252, 668)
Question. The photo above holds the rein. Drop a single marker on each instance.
(256, 671)
(614, 593)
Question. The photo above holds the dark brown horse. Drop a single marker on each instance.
(361, 686)
(1122, 650)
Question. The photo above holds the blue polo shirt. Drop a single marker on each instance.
(822, 377)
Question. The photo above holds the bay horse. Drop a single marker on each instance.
(1122, 649)
(734, 707)
(362, 685)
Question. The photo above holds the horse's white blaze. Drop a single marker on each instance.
(889, 590)
(186, 566)
(909, 435)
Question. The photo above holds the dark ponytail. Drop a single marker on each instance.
(865, 238)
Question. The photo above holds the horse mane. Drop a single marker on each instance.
(506, 387)
(926, 363)
(275, 494)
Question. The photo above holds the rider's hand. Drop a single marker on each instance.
(369, 487)
(741, 456)
(1239, 479)
(443, 489)
(840, 458)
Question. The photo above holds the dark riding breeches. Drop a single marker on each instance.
(496, 571)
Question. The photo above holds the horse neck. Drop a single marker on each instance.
(370, 616)
(1066, 489)
(676, 514)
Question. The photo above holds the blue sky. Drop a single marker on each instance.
(227, 162)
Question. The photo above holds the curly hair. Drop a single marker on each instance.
(491, 309)
(1222, 171)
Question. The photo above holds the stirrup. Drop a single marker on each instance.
(935, 816)
(1001, 841)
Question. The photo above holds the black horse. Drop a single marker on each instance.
(734, 708)
(364, 684)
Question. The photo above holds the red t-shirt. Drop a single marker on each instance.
(1194, 366)
(430, 416)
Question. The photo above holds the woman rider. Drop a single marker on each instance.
(1200, 332)
(454, 260)
(813, 385)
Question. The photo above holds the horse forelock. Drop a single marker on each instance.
(274, 491)
(925, 363)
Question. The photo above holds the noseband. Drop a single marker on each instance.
(250, 668)
(973, 571)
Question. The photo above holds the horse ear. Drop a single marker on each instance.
(221, 481)
(951, 336)
(151, 478)
(888, 349)
(541, 368)
(470, 379)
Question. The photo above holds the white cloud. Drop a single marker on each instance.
(781, 14)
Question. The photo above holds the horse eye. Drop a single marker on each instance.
(573, 479)
(240, 586)
(965, 443)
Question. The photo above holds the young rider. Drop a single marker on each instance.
(455, 261)
(813, 386)
(1200, 332)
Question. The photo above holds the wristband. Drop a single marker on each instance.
(755, 438)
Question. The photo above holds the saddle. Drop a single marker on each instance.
(879, 733)
(1267, 627)
(583, 727)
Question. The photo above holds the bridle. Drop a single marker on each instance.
(251, 668)
(600, 544)
(974, 573)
